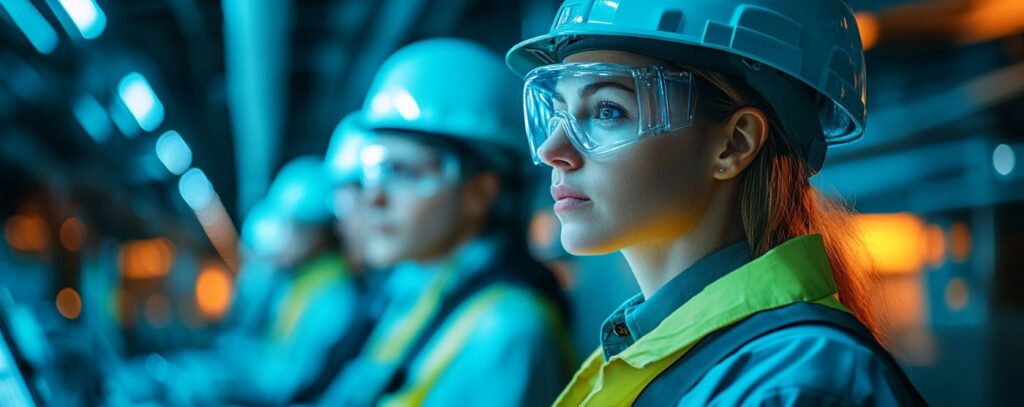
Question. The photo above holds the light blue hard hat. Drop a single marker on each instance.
(301, 191)
(816, 42)
(450, 88)
(342, 158)
(265, 232)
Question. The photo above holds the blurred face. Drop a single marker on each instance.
(654, 190)
(283, 242)
(413, 213)
(350, 224)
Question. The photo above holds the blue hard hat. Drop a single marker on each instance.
(301, 191)
(816, 43)
(342, 158)
(265, 232)
(454, 88)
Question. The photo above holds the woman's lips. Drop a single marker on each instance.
(568, 198)
(569, 204)
(382, 229)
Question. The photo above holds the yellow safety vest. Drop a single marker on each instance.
(387, 345)
(310, 281)
(454, 339)
(797, 270)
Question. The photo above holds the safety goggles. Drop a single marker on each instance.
(407, 176)
(602, 108)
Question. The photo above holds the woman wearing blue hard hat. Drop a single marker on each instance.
(683, 134)
(470, 318)
(343, 169)
(314, 290)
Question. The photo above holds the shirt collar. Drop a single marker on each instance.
(638, 316)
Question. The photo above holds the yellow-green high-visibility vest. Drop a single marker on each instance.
(795, 271)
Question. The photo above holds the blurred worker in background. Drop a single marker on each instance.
(314, 302)
(470, 319)
(295, 297)
(341, 163)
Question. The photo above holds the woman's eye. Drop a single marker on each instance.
(609, 111)
(404, 172)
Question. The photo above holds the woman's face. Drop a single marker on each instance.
(653, 190)
(350, 223)
(414, 214)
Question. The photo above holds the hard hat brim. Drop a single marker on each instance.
(544, 50)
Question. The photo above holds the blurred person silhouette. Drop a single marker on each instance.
(295, 296)
(314, 293)
(471, 318)
(344, 170)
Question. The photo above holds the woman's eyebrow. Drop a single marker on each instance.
(591, 88)
(415, 163)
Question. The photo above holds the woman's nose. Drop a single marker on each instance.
(557, 151)
(375, 196)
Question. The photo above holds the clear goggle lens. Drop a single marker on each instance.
(406, 176)
(602, 108)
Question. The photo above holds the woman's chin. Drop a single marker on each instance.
(383, 256)
(584, 244)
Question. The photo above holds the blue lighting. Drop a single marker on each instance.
(90, 114)
(123, 119)
(173, 152)
(39, 32)
(141, 102)
(87, 16)
(196, 189)
(1004, 159)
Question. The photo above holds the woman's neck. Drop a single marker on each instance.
(656, 262)
(462, 236)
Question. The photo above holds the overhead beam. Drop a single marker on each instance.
(257, 46)
(897, 124)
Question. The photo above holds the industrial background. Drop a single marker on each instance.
(135, 136)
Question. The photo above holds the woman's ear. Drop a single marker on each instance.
(743, 135)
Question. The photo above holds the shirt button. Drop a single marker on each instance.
(621, 329)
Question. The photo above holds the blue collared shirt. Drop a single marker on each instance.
(637, 316)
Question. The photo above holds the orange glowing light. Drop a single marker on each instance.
(894, 243)
(69, 303)
(72, 233)
(213, 291)
(27, 233)
(936, 245)
(960, 242)
(149, 258)
(956, 294)
(870, 29)
(992, 19)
